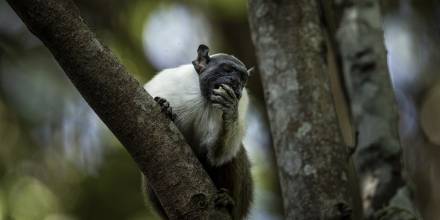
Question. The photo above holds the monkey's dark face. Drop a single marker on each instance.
(219, 69)
(223, 69)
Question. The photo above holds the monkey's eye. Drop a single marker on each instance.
(227, 68)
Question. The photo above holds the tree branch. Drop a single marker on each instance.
(177, 178)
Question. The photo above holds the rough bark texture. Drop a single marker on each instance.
(311, 156)
(356, 28)
(184, 189)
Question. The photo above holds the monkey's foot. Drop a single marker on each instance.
(344, 210)
(165, 107)
(223, 200)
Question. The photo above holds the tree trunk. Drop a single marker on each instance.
(312, 159)
(182, 186)
(355, 27)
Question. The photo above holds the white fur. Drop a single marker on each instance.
(196, 118)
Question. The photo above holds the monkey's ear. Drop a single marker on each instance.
(202, 58)
(250, 70)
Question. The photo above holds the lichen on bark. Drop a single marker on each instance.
(311, 155)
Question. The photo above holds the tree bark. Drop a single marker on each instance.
(355, 27)
(178, 179)
(311, 156)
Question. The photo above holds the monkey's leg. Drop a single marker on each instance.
(235, 177)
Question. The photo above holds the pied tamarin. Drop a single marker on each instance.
(208, 102)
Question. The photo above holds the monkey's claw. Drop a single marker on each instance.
(223, 200)
(165, 107)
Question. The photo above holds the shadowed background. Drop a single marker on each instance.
(58, 160)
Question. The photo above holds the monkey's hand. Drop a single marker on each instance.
(165, 107)
(224, 98)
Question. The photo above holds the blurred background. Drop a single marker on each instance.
(58, 160)
(412, 33)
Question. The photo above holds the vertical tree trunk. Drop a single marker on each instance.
(356, 28)
(311, 156)
(178, 179)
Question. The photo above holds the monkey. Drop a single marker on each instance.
(208, 101)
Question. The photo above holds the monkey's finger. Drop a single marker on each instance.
(221, 92)
(221, 99)
(229, 90)
(171, 115)
(225, 109)
(224, 93)
(220, 106)
(160, 100)
(218, 98)
(217, 105)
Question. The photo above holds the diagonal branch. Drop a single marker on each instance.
(178, 179)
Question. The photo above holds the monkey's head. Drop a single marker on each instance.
(219, 69)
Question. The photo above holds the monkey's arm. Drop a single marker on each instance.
(230, 139)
